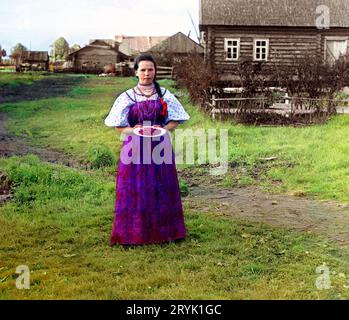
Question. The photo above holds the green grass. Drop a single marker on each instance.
(311, 161)
(71, 123)
(60, 219)
(6, 70)
(15, 79)
(59, 225)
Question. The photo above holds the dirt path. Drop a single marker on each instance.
(11, 145)
(50, 87)
(328, 219)
(53, 86)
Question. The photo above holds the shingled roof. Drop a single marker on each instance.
(178, 43)
(135, 45)
(35, 56)
(106, 44)
(287, 13)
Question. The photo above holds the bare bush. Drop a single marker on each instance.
(165, 59)
(253, 80)
(311, 83)
(314, 84)
(310, 77)
(193, 73)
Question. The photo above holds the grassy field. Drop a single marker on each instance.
(14, 79)
(60, 219)
(59, 225)
(7, 69)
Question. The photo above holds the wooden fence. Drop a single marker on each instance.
(284, 105)
(164, 72)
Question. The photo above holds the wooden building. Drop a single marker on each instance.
(33, 60)
(133, 46)
(275, 32)
(96, 55)
(176, 47)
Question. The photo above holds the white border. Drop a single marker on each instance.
(255, 51)
(226, 48)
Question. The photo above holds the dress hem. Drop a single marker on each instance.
(179, 238)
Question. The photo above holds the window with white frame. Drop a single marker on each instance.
(232, 49)
(261, 49)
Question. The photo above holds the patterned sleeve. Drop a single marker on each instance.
(118, 114)
(175, 109)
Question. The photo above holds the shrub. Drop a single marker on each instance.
(193, 73)
(101, 157)
(311, 83)
(311, 77)
(183, 187)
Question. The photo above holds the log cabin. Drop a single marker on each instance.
(174, 49)
(33, 60)
(132, 46)
(96, 55)
(178, 44)
(271, 31)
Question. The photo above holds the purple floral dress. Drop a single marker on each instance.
(148, 207)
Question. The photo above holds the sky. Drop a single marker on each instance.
(38, 23)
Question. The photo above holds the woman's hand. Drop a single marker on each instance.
(124, 130)
(136, 127)
(148, 130)
(171, 125)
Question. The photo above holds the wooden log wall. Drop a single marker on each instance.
(285, 44)
(100, 57)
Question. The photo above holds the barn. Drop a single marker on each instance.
(176, 47)
(133, 46)
(33, 60)
(273, 32)
(96, 55)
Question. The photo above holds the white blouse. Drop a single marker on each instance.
(118, 114)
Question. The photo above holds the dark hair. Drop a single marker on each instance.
(148, 57)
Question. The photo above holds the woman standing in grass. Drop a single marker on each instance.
(148, 207)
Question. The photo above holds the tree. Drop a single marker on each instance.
(17, 51)
(2, 53)
(60, 49)
(75, 47)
